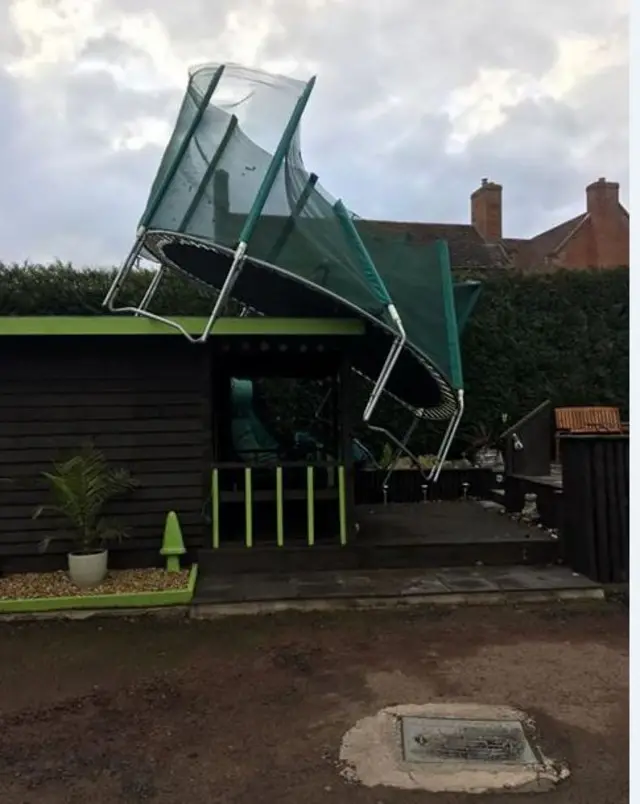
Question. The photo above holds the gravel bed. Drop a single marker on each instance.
(58, 584)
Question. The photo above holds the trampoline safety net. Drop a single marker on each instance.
(234, 207)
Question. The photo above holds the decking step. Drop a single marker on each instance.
(363, 556)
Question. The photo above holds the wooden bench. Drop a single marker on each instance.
(582, 421)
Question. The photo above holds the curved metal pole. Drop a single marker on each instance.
(367, 451)
(124, 270)
(225, 290)
(445, 439)
(379, 429)
(403, 445)
(154, 203)
(446, 444)
(256, 209)
(389, 365)
(379, 290)
(151, 290)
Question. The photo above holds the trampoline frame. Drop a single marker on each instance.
(394, 328)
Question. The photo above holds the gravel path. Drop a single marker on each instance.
(250, 710)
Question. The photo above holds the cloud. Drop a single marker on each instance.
(414, 104)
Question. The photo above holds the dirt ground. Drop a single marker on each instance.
(252, 710)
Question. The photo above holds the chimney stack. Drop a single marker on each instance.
(486, 210)
(602, 198)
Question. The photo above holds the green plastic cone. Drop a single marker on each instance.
(172, 542)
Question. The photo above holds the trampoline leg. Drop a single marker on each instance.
(323, 402)
(118, 281)
(151, 290)
(123, 272)
(225, 290)
(403, 447)
(400, 449)
(443, 443)
(448, 439)
(389, 364)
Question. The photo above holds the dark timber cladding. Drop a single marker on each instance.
(143, 394)
(143, 401)
(596, 505)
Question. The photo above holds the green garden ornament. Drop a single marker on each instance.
(172, 542)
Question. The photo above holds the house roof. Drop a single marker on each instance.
(526, 253)
(467, 248)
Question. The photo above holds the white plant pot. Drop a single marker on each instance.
(88, 569)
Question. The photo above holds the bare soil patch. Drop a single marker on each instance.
(249, 710)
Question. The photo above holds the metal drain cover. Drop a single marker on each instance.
(432, 739)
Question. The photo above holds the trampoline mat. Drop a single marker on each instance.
(273, 292)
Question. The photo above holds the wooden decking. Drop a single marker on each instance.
(402, 535)
(460, 522)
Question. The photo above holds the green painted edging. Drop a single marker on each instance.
(130, 600)
(139, 325)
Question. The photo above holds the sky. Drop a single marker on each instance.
(415, 103)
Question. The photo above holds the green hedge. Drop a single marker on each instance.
(563, 336)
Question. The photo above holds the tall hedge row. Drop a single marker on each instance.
(563, 336)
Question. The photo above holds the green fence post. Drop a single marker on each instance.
(311, 520)
(248, 507)
(279, 507)
(215, 508)
(342, 504)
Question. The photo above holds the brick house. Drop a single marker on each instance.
(597, 238)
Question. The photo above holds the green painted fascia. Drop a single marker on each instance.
(139, 325)
(115, 600)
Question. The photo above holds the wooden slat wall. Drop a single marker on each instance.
(595, 528)
(144, 401)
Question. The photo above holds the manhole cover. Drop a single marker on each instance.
(430, 739)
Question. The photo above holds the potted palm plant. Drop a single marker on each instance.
(80, 488)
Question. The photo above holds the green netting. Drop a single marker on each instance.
(466, 295)
(233, 172)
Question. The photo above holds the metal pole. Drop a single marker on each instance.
(373, 278)
(154, 201)
(290, 223)
(152, 207)
(207, 175)
(390, 363)
(451, 434)
(257, 207)
(151, 291)
(445, 439)
(225, 290)
(403, 442)
(124, 270)
(377, 428)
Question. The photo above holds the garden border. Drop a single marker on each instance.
(111, 600)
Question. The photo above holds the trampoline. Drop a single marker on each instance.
(233, 207)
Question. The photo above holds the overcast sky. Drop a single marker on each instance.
(415, 102)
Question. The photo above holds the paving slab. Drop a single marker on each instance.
(401, 584)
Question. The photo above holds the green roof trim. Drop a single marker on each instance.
(138, 325)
